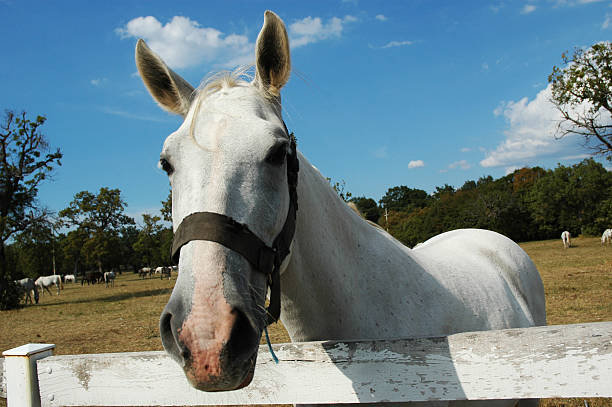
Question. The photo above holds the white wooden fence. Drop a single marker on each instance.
(539, 362)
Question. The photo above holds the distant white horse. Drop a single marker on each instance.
(45, 282)
(26, 285)
(159, 270)
(606, 237)
(233, 167)
(566, 239)
(109, 278)
(69, 277)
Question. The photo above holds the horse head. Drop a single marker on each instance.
(228, 159)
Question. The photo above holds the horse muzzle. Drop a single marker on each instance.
(217, 350)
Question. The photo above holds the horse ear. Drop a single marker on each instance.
(273, 59)
(172, 92)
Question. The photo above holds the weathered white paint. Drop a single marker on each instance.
(2, 379)
(539, 362)
(21, 374)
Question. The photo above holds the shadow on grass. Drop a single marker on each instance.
(113, 298)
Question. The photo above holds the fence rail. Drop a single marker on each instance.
(538, 362)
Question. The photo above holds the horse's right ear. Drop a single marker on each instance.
(172, 92)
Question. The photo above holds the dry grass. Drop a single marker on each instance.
(94, 319)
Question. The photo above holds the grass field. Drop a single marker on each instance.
(96, 319)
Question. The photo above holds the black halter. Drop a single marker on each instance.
(236, 236)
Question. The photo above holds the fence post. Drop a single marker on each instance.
(22, 375)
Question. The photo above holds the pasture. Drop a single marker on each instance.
(96, 319)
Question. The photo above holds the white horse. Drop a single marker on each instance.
(69, 278)
(27, 286)
(109, 278)
(566, 239)
(343, 278)
(45, 282)
(606, 237)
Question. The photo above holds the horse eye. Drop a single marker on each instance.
(166, 166)
(276, 155)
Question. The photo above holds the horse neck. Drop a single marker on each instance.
(333, 253)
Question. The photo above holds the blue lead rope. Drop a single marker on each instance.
(270, 346)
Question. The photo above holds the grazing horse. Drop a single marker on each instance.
(45, 282)
(26, 285)
(245, 220)
(109, 278)
(92, 277)
(166, 272)
(606, 237)
(566, 239)
(69, 278)
(145, 271)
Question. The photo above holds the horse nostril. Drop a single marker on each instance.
(243, 339)
(169, 338)
(185, 354)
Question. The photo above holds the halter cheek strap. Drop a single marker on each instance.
(216, 227)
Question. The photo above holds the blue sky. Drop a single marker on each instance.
(416, 93)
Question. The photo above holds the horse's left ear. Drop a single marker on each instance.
(273, 59)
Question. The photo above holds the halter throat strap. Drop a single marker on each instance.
(222, 229)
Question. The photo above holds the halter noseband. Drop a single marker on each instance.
(216, 227)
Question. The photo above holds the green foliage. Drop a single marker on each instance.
(24, 164)
(148, 244)
(339, 187)
(9, 294)
(36, 248)
(529, 204)
(99, 220)
(402, 198)
(368, 208)
(582, 92)
(166, 209)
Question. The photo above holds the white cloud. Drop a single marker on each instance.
(182, 42)
(381, 17)
(530, 133)
(606, 23)
(511, 169)
(416, 164)
(528, 8)
(576, 157)
(462, 164)
(465, 149)
(485, 66)
(392, 44)
(309, 30)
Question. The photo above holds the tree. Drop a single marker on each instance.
(100, 217)
(147, 245)
(402, 198)
(339, 187)
(582, 92)
(166, 209)
(24, 163)
(368, 207)
(35, 248)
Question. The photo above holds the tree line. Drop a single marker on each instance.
(529, 204)
(101, 237)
